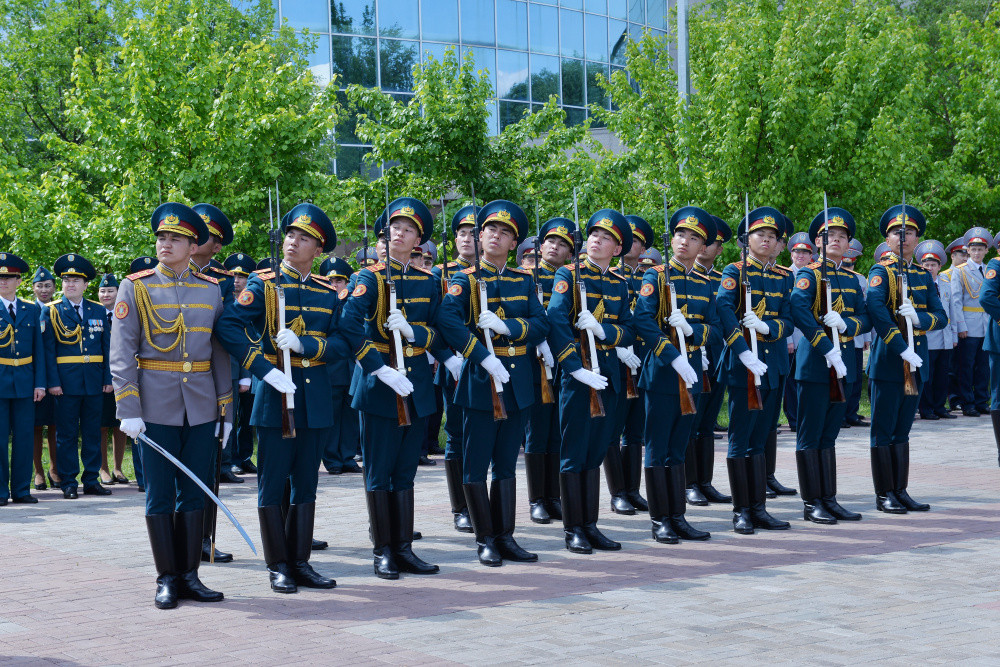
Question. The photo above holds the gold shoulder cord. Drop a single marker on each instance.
(297, 325)
(64, 336)
(7, 336)
(474, 306)
(148, 316)
(661, 306)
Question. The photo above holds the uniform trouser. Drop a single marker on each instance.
(140, 480)
(542, 430)
(935, 391)
(17, 426)
(167, 488)
(79, 417)
(775, 409)
(791, 397)
(294, 460)
(391, 451)
(433, 422)
(631, 426)
(748, 429)
(819, 420)
(708, 410)
(491, 442)
(342, 443)
(583, 440)
(243, 431)
(854, 397)
(227, 447)
(994, 381)
(971, 371)
(892, 412)
(667, 430)
(452, 424)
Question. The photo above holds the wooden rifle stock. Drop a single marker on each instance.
(683, 390)
(754, 401)
(496, 389)
(588, 354)
(630, 389)
(397, 362)
(904, 324)
(284, 359)
(548, 396)
(836, 383)
(706, 382)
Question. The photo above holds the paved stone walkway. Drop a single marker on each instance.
(77, 581)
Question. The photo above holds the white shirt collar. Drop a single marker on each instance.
(6, 303)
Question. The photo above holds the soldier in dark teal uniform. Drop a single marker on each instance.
(892, 410)
(314, 337)
(43, 284)
(390, 450)
(989, 299)
(818, 418)
(22, 355)
(241, 442)
(515, 322)
(77, 341)
(606, 314)
(668, 430)
(541, 442)
(771, 322)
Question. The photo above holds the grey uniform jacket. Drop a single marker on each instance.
(966, 313)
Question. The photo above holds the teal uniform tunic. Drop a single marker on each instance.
(22, 356)
(630, 414)
(989, 299)
(443, 378)
(542, 431)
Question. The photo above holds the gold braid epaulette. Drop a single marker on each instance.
(382, 300)
(63, 335)
(154, 324)
(7, 336)
(297, 325)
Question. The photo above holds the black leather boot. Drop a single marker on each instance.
(384, 562)
(995, 416)
(553, 464)
(632, 460)
(503, 504)
(482, 522)
(757, 483)
(571, 493)
(675, 500)
(828, 476)
(771, 456)
(692, 493)
(614, 473)
(813, 508)
(208, 553)
(272, 537)
(188, 528)
(738, 476)
(591, 482)
(453, 475)
(161, 539)
(901, 464)
(298, 533)
(401, 505)
(659, 506)
(883, 479)
(705, 449)
(534, 471)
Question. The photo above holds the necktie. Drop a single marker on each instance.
(78, 313)
(10, 309)
(981, 271)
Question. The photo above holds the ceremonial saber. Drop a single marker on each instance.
(194, 478)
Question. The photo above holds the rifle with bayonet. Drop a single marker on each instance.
(631, 391)
(745, 307)
(588, 348)
(444, 250)
(283, 358)
(903, 322)
(670, 298)
(545, 375)
(496, 387)
(396, 344)
(826, 306)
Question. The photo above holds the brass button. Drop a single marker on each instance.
(184, 379)
(767, 351)
(186, 367)
(512, 365)
(409, 370)
(186, 355)
(307, 380)
(305, 363)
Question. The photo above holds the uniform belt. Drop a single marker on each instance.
(297, 362)
(81, 359)
(175, 366)
(973, 309)
(15, 362)
(509, 351)
(408, 350)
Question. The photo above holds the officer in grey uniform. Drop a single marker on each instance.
(970, 322)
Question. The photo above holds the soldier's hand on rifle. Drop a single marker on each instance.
(909, 312)
(397, 322)
(545, 353)
(684, 369)
(705, 363)
(753, 364)
(911, 357)
(494, 367)
(590, 378)
(133, 426)
(833, 319)
(227, 428)
(628, 357)
(489, 320)
(287, 340)
(588, 321)
(836, 360)
(395, 380)
(454, 365)
(752, 321)
(279, 381)
(678, 321)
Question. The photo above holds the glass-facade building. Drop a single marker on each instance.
(531, 48)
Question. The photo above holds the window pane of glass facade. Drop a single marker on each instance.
(544, 77)
(398, 18)
(511, 112)
(618, 8)
(350, 160)
(491, 122)
(485, 60)
(477, 22)
(319, 61)
(572, 82)
(572, 4)
(575, 116)
(544, 29)
(354, 60)
(637, 11)
(597, 6)
(571, 28)
(309, 14)
(439, 20)
(617, 40)
(656, 12)
(355, 17)
(437, 50)
(596, 94)
(512, 24)
(397, 59)
(597, 38)
(512, 75)
(346, 131)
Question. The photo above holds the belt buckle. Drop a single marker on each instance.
(305, 363)
(511, 351)
(186, 367)
(86, 358)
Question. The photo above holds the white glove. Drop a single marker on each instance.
(590, 378)
(834, 358)
(489, 320)
(494, 367)
(628, 357)
(908, 355)
(245, 382)
(454, 365)
(677, 321)
(394, 380)
(751, 320)
(705, 364)
(287, 340)
(588, 321)
(909, 312)
(545, 353)
(227, 428)
(753, 364)
(397, 322)
(133, 427)
(277, 379)
(684, 369)
(833, 319)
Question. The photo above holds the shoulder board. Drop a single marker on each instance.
(469, 271)
(322, 280)
(958, 266)
(851, 271)
(814, 265)
(223, 272)
(266, 274)
(141, 274)
(946, 273)
(660, 268)
(519, 270)
(780, 270)
(442, 266)
(615, 271)
(54, 302)
(888, 262)
(421, 269)
(96, 303)
(738, 265)
(376, 267)
(210, 279)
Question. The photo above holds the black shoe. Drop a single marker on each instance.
(571, 499)
(778, 488)
(409, 562)
(538, 512)
(333, 470)
(742, 524)
(599, 540)
(435, 450)
(462, 522)
(676, 506)
(757, 484)
(662, 532)
(189, 587)
(42, 486)
(686, 531)
(96, 490)
(25, 500)
(621, 505)
(771, 459)
(614, 473)
(281, 578)
(248, 468)
(188, 529)
(351, 467)
(140, 488)
(401, 512)
(909, 503)
(576, 541)
(945, 415)
(737, 469)
(817, 512)
(227, 477)
(319, 545)
(901, 469)
(424, 461)
(694, 496)
(889, 503)
(554, 508)
(809, 464)
(380, 520)
(307, 577)
(206, 553)
(3, 502)
(69, 493)
(929, 416)
(166, 591)
(488, 553)
(299, 522)
(503, 506)
(713, 495)
(970, 412)
(983, 409)
(838, 511)
(637, 501)
(632, 465)
(417, 535)
(659, 505)
(384, 564)
(845, 424)
(828, 482)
